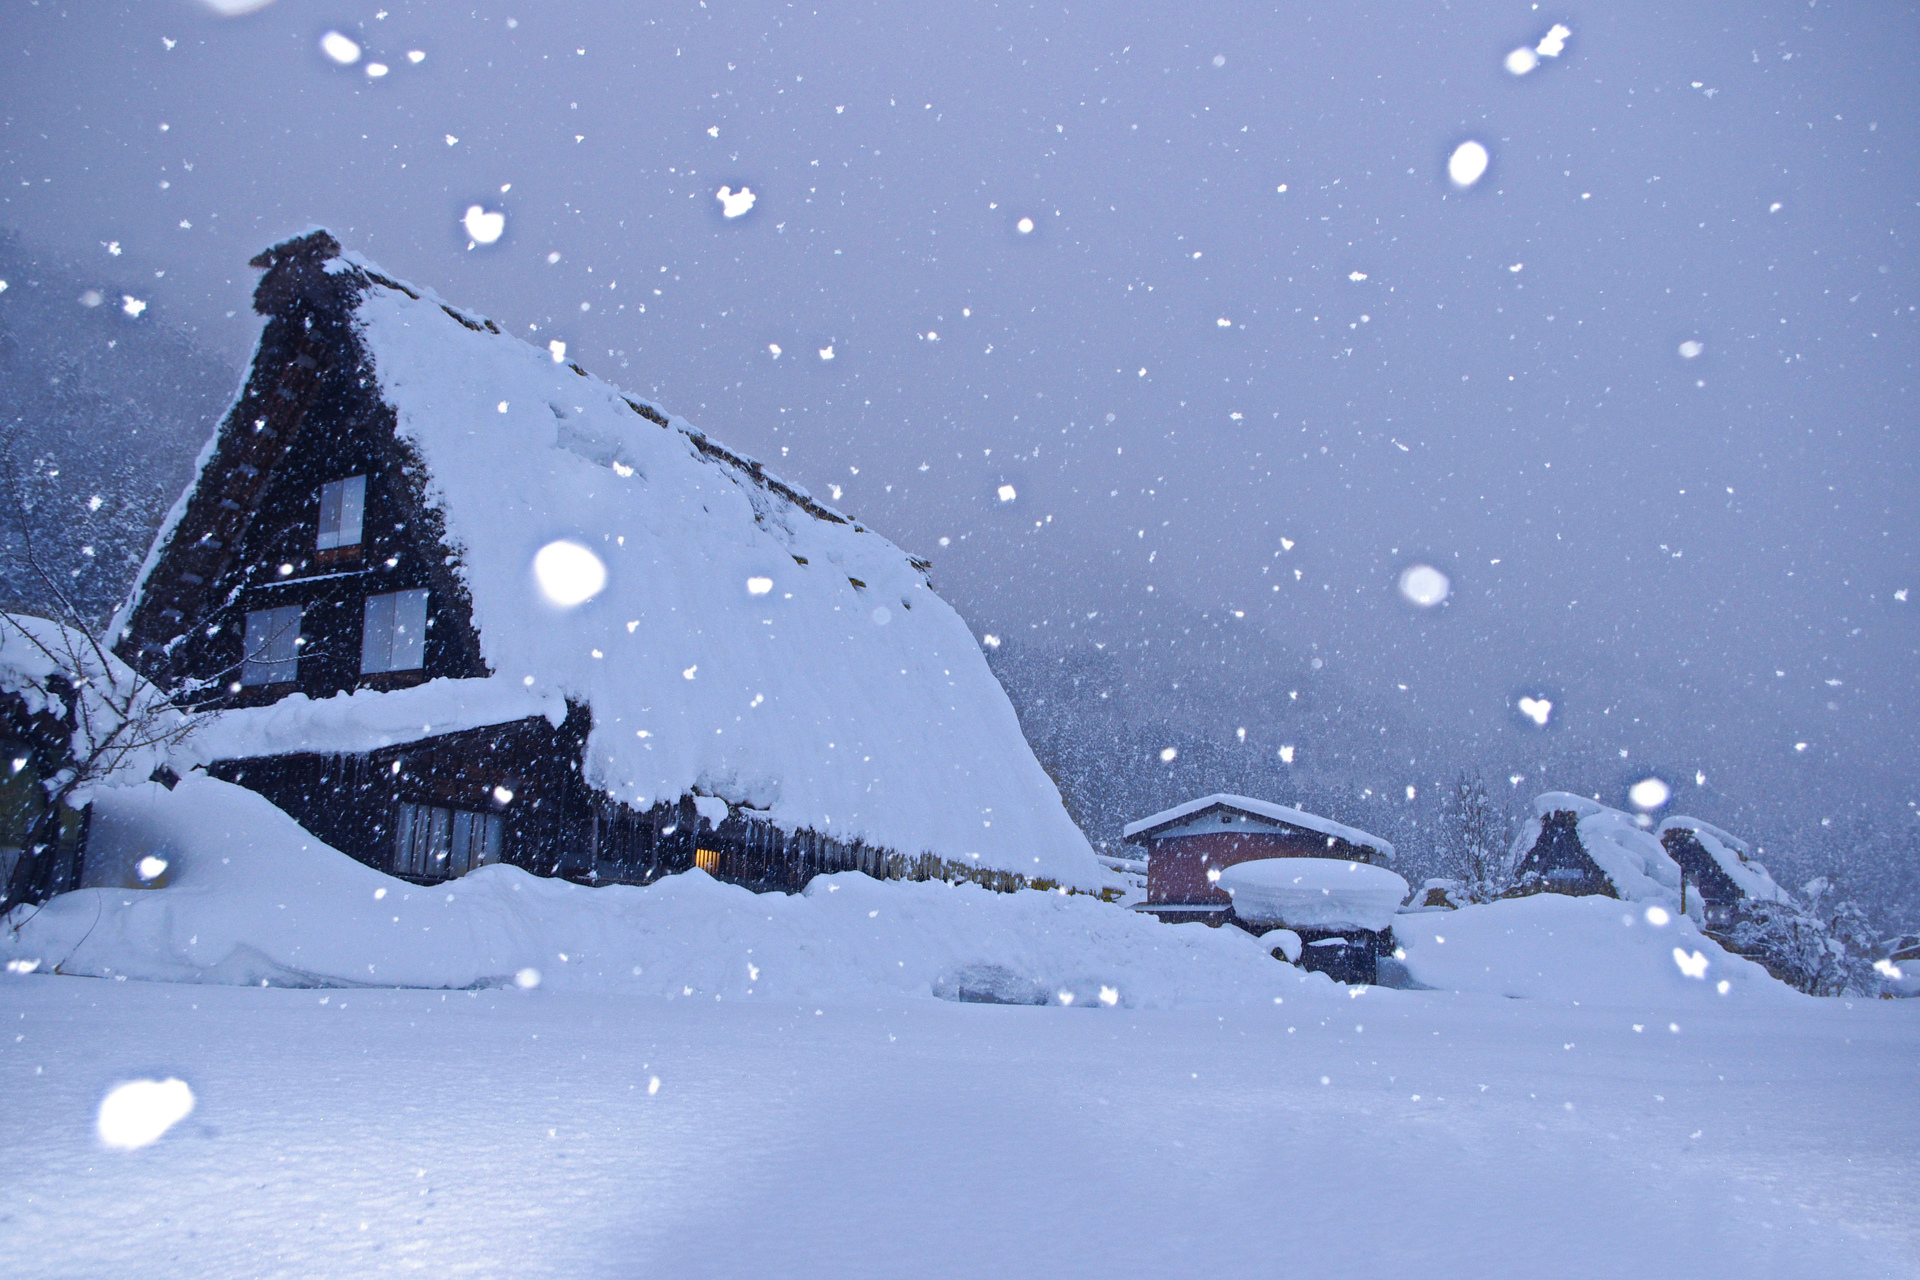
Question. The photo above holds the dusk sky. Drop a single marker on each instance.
(1162, 324)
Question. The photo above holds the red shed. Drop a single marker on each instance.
(1189, 845)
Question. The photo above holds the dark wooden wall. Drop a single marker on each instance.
(310, 413)
(555, 824)
(349, 800)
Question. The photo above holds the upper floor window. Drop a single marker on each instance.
(393, 637)
(273, 646)
(343, 503)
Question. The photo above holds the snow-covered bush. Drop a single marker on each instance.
(1824, 951)
(94, 722)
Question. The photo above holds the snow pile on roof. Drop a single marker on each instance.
(747, 641)
(247, 895)
(1631, 857)
(1594, 950)
(1263, 809)
(1732, 855)
(367, 719)
(118, 715)
(1314, 893)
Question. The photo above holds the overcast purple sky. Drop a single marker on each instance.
(1252, 311)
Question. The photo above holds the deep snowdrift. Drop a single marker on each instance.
(1594, 950)
(248, 896)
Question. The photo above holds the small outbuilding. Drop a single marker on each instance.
(36, 746)
(1324, 914)
(1189, 845)
(72, 718)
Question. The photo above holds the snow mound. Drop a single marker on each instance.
(1314, 893)
(1630, 856)
(1593, 950)
(249, 896)
(368, 719)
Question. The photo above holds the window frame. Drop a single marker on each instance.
(262, 660)
(348, 499)
(389, 640)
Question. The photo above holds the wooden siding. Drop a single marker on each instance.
(1177, 866)
(555, 825)
(350, 801)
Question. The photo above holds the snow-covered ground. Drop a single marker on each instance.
(703, 1081)
(515, 1133)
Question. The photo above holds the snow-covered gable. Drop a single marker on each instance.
(1191, 819)
(1732, 855)
(748, 643)
(1628, 855)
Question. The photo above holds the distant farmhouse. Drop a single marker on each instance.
(1718, 870)
(1581, 847)
(460, 602)
(1577, 846)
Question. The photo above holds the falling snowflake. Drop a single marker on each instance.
(1467, 164)
(341, 49)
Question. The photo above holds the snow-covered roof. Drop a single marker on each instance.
(747, 642)
(1681, 822)
(1732, 855)
(1627, 854)
(368, 719)
(1259, 809)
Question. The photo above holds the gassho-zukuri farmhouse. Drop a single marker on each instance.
(457, 602)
